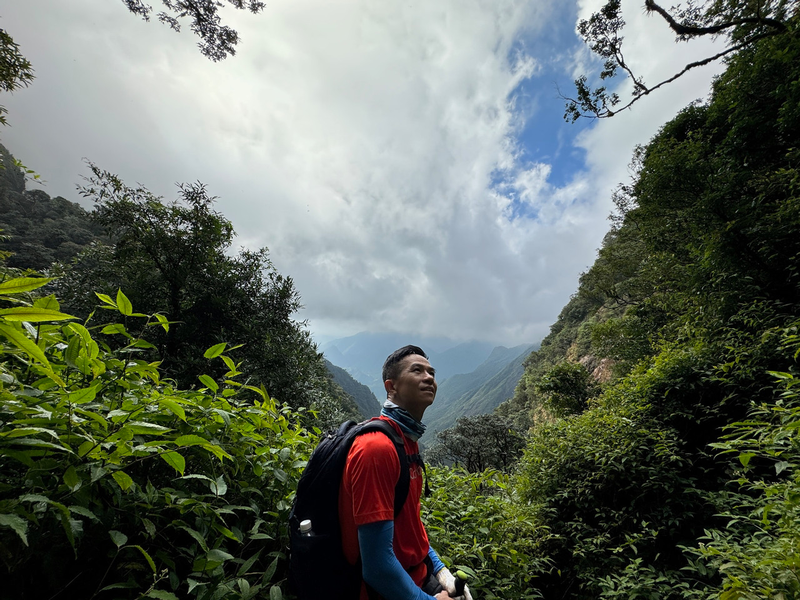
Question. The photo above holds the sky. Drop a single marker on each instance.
(406, 163)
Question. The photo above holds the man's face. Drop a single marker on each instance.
(415, 387)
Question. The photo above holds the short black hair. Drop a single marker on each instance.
(391, 367)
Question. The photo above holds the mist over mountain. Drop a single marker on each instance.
(477, 392)
(365, 400)
(362, 355)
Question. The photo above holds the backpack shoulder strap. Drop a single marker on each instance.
(404, 482)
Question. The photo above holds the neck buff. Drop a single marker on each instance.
(410, 426)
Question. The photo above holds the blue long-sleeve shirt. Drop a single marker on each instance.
(380, 567)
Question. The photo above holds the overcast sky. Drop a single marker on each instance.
(406, 163)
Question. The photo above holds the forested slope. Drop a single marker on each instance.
(663, 454)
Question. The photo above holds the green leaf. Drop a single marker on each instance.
(146, 557)
(196, 536)
(49, 302)
(106, 299)
(191, 440)
(123, 479)
(84, 512)
(71, 478)
(115, 328)
(250, 562)
(219, 487)
(175, 408)
(143, 427)
(162, 321)
(175, 460)
(18, 524)
(745, 457)
(209, 383)
(217, 555)
(215, 350)
(82, 396)
(23, 284)
(270, 572)
(161, 595)
(781, 467)
(229, 363)
(21, 341)
(275, 593)
(32, 314)
(119, 538)
(123, 304)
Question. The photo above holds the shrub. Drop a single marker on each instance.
(475, 524)
(115, 484)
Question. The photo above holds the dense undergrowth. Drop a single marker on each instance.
(115, 484)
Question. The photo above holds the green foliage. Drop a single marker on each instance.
(171, 258)
(614, 491)
(217, 40)
(117, 484)
(567, 388)
(758, 550)
(15, 70)
(476, 524)
(742, 24)
(478, 443)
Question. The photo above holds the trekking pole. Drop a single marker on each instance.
(461, 582)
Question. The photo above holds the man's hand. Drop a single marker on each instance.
(448, 581)
(443, 595)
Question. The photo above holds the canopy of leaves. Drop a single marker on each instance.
(742, 24)
(171, 258)
(217, 41)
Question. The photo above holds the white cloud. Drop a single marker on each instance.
(360, 141)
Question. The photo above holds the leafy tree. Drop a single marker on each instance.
(742, 23)
(217, 40)
(171, 257)
(567, 388)
(15, 70)
(478, 443)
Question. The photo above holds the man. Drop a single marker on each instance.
(396, 557)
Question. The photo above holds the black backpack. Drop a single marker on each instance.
(317, 566)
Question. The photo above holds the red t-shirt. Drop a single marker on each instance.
(367, 495)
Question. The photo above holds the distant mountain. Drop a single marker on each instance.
(478, 392)
(362, 355)
(40, 230)
(365, 400)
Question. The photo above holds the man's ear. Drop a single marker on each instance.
(388, 385)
